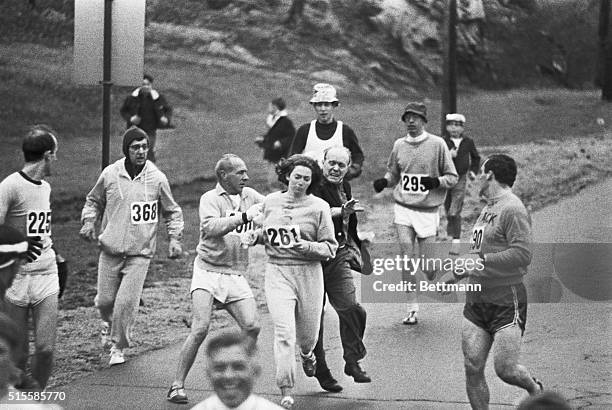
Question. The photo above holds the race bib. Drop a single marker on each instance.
(143, 212)
(412, 184)
(38, 222)
(476, 239)
(283, 236)
(242, 228)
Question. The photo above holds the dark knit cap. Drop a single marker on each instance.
(417, 108)
(132, 134)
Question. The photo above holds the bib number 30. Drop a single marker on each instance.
(38, 223)
(283, 236)
(143, 212)
(476, 239)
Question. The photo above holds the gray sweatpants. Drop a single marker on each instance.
(120, 282)
(294, 294)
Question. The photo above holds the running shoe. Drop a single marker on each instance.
(309, 364)
(287, 402)
(411, 319)
(116, 356)
(177, 394)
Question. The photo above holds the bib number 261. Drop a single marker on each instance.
(283, 236)
(143, 212)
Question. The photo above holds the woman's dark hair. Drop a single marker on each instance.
(285, 167)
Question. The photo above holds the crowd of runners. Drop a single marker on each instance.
(309, 229)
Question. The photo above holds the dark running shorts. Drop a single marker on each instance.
(497, 308)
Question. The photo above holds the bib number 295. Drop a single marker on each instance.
(143, 212)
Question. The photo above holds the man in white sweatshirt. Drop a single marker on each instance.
(127, 200)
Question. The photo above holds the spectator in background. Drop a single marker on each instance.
(277, 141)
(467, 163)
(147, 109)
(323, 132)
(231, 368)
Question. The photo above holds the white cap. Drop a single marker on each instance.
(323, 93)
(455, 117)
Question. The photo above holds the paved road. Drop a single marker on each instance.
(567, 344)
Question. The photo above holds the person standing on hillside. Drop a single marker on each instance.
(499, 254)
(25, 205)
(127, 199)
(226, 214)
(277, 141)
(325, 131)
(467, 163)
(147, 109)
(421, 169)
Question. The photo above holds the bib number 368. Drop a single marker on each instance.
(283, 236)
(143, 212)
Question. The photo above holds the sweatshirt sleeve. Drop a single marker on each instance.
(212, 223)
(393, 170)
(516, 224)
(171, 211)
(448, 173)
(326, 245)
(95, 201)
(349, 140)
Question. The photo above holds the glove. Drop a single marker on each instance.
(430, 182)
(34, 248)
(380, 184)
(254, 211)
(88, 231)
(174, 248)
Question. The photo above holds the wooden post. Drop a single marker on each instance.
(106, 83)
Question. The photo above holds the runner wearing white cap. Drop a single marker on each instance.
(325, 131)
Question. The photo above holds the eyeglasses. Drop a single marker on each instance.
(136, 148)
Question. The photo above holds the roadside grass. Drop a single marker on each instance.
(553, 134)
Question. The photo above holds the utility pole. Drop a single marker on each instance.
(106, 82)
(449, 87)
(604, 75)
